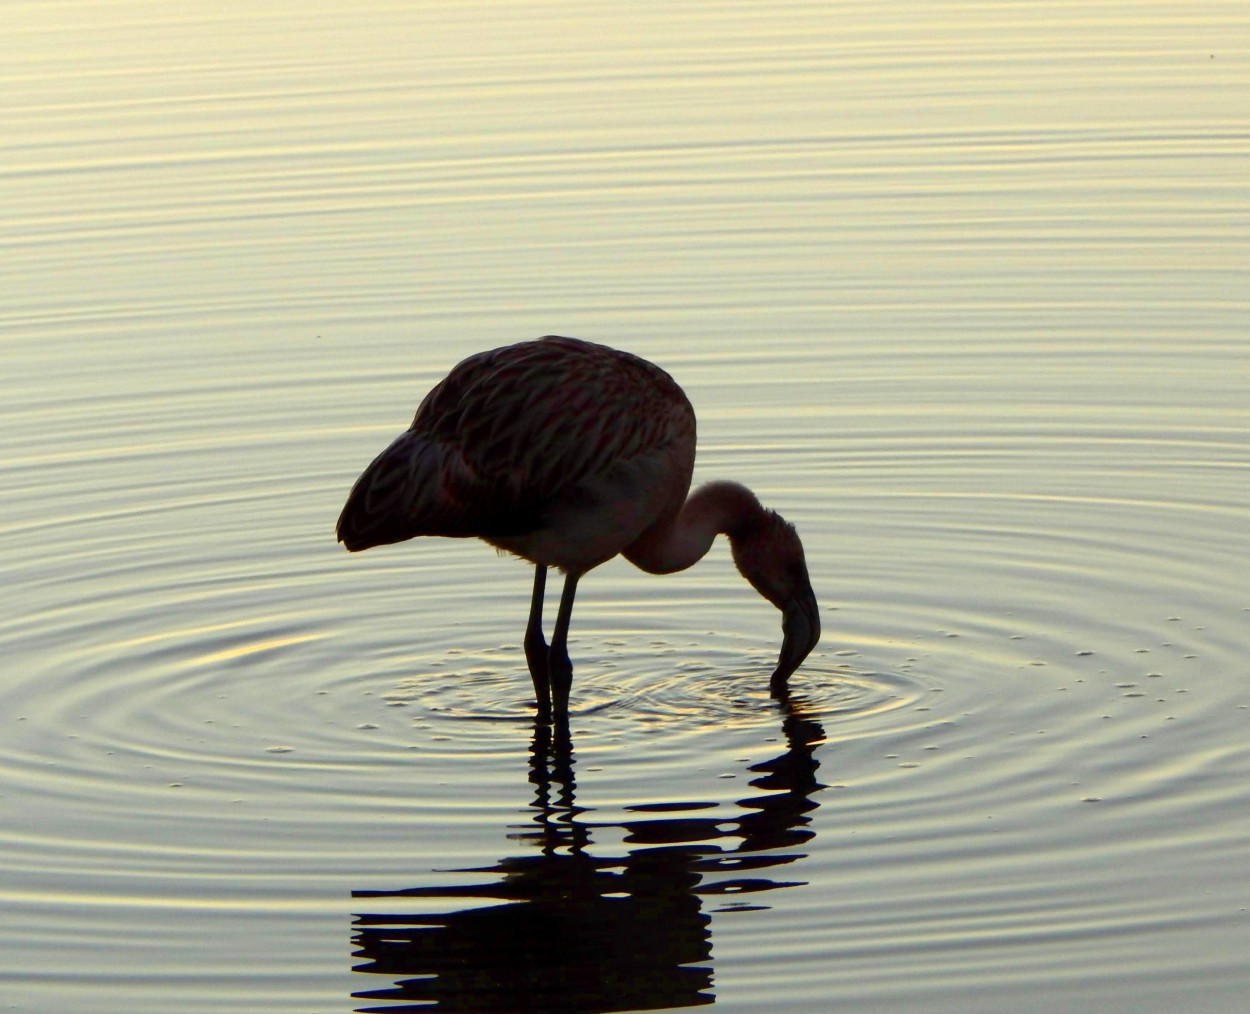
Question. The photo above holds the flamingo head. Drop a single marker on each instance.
(768, 553)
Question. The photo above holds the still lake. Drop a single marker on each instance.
(960, 289)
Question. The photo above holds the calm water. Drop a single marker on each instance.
(960, 289)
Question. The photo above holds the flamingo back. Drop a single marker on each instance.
(513, 435)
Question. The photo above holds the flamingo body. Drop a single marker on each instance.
(567, 453)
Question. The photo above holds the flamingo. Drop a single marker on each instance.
(567, 453)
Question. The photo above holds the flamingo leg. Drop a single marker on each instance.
(536, 652)
(558, 663)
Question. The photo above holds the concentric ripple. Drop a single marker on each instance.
(957, 289)
(1024, 707)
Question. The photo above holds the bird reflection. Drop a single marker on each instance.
(568, 932)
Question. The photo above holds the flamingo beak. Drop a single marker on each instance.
(800, 627)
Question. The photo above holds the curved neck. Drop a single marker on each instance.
(683, 539)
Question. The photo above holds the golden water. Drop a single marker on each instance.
(960, 289)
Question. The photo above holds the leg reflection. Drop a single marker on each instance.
(558, 929)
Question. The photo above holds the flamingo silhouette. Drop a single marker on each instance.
(567, 453)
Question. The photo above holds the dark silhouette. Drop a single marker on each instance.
(573, 933)
(567, 453)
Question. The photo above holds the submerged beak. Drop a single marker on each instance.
(800, 627)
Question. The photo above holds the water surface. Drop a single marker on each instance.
(960, 290)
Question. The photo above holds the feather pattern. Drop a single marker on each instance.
(513, 438)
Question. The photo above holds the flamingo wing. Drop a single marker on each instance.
(510, 432)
